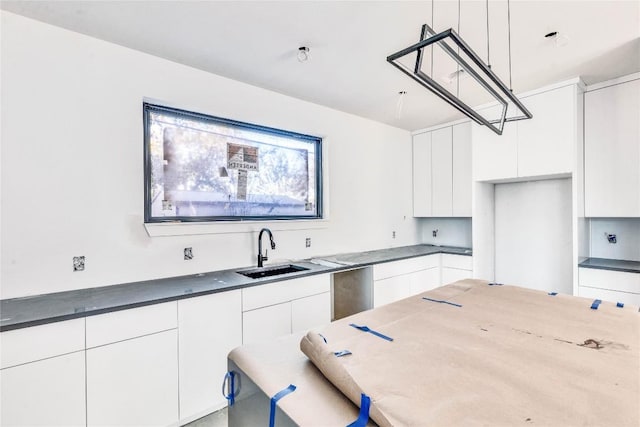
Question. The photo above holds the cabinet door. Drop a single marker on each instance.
(209, 327)
(547, 142)
(392, 289)
(462, 170)
(612, 151)
(266, 323)
(494, 156)
(310, 312)
(442, 172)
(134, 382)
(48, 392)
(450, 275)
(425, 280)
(422, 174)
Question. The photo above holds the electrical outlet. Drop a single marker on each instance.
(307, 242)
(78, 263)
(188, 253)
(612, 238)
(393, 234)
(434, 233)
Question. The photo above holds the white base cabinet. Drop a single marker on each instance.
(48, 392)
(281, 308)
(134, 382)
(607, 285)
(209, 327)
(393, 281)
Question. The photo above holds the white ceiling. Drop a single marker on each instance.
(257, 42)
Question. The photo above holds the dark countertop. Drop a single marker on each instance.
(611, 264)
(35, 310)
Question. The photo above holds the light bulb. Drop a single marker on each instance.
(303, 54)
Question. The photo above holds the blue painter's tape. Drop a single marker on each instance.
(441, 301)
(279, 395)
(229, 378)
(323, 338)
(553, 294)
(371, 331)
(619, 305)
(341, 353)
(595, 304)
(363, 417)
(495, 284)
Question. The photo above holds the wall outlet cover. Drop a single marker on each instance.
(78, 263)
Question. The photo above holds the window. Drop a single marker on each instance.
(204, 168)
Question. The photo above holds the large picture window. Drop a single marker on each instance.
(204, 168)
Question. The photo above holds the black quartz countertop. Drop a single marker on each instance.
(16, 313)
(611, 264)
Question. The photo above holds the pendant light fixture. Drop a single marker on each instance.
(468, 63)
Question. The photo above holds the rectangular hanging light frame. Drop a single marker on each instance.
(484, 76)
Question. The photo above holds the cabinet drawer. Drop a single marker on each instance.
(607, 295)
(461, 262)
(286, 290)
(612, 280)
(136, 322)
(266, 323)
(405, 266)
(40, 342)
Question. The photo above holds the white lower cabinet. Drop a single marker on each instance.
(393, 281)
(48, 392)
(132, 372)
(456, 267)
(134, 382)
(209, 327)
(281, 308)
(608, 285)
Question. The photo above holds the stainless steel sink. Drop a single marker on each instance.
(275, 270)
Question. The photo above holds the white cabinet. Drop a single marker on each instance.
(607, 285)
(546, 143)
(209, 327)
(494, 156)
(48, 392)
(456, 267)
(442, 172)
(132, 379)
(396, 280)
(461, 185)
(612, 151)
(43, 375)
(422, 174)
(542, 146)
(280, 308)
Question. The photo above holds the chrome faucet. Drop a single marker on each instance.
(273, 246)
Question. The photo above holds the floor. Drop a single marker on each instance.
(217, 419)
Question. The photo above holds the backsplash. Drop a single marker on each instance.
(449, 231)
(627, 238)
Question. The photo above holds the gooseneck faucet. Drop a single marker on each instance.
(273, 246)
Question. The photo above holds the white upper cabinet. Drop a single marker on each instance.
(462, 170)
(612, 151)
(543, 145)
(422, 174)
(546, 143)
(442, 172)
(494, 156)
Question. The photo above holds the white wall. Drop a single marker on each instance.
(72, 171)
(451, 231)
(627, 231)
(533, 235)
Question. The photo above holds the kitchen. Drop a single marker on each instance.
(72, 186)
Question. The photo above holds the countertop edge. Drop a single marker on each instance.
(318, 269)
